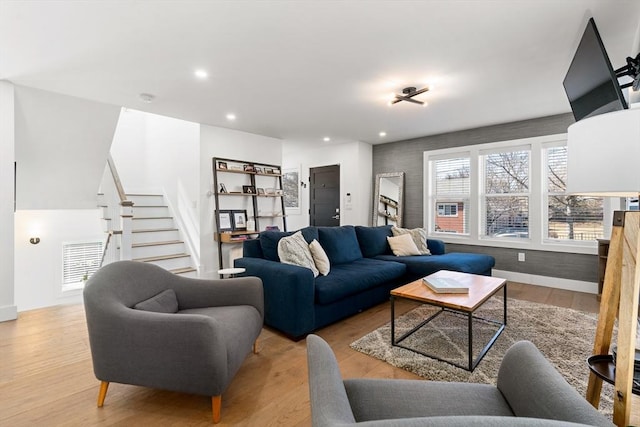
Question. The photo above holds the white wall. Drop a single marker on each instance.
(355, 160)
(61, 148)
(7, 144)
(160, 154)
(38, 268)
(231, 144)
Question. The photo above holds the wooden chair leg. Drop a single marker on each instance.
(216, 404)
(104, 385)
(255, 347)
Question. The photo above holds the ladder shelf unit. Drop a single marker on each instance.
(250, 192)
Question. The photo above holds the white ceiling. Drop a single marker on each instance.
(303, 70)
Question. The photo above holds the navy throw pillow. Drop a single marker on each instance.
(340, 243)
(373, 240)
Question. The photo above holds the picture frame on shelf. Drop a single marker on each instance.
(268, 170)
(239, 220)
(260, 191)
(222, 189)
(249, 189)
(225, 220)
(258, 169)
(249, 168)
(235, 168)
(222, 165)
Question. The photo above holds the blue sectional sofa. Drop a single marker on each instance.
(363, 271)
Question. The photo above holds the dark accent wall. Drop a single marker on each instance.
(407, 156)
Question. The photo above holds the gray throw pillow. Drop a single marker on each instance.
(164, 302)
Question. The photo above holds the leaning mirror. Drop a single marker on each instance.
(387, 203)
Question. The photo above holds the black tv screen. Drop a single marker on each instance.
(591, 84)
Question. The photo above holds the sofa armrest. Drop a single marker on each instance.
(289, 294)
(534, 388)
(198, 293)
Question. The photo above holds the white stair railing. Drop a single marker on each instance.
(118, 214)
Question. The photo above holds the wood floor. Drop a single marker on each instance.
(46, 377)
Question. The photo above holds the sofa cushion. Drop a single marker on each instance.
(419, 236)
(295, 250)
(164, 302)
(354, 277)
(423, 265)
(340, 243)
(320, 257)
(269, 241)
(373, 240)
(403, 245)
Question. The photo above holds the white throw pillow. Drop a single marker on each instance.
(295, 250)
(403, 245)
(419, 236)
(320, 257)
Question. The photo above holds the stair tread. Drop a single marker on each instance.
(149, 230)
(161, 257)
(183, 270)
(153, 217)
(167, 242)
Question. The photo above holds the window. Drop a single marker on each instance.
(506, 194)
(569, 217)
(452, 189)
(80, 261)
(511, 194)
(447, 209)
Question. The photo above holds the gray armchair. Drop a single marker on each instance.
(152, 328)
(530, 392)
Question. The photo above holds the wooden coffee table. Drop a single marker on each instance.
(481, 288)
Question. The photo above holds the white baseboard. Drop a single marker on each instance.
(549, 282)
(8, 312)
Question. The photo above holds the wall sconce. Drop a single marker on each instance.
(34, 240)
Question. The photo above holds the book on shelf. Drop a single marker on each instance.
(445, 285)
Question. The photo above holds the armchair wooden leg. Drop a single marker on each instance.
(255, 347)
(104, 385)
(216, 403)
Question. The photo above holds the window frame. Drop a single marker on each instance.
(431, 197)
(445, 205)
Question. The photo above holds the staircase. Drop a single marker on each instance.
(156, 239)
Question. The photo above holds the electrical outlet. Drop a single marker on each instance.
(521, 256)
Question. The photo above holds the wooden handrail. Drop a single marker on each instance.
(116, 179)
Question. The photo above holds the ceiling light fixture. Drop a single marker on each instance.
(408, 94)
(147, 98)
(201, 74)
(231, 116)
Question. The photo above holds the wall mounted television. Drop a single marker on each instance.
(591, 83)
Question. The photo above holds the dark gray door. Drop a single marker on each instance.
(324, 196)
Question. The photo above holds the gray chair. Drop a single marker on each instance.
(530, 392)
(152, 328)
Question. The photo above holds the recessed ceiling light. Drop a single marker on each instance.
(231, 116)
(201, 74)
(382, 134)
(147, 98)
(326, 139)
